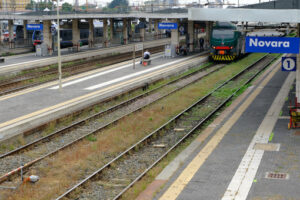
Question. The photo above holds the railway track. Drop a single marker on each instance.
(76, 132)
(37, 77)
(113, 179)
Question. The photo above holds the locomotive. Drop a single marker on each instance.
(226, 42)
(66, 35)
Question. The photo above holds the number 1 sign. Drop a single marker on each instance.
(288, 64)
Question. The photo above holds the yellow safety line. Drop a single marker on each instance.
(178, 185)
(84, 97)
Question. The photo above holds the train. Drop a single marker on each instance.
(226, 42)
(66, 36)
(18, 33)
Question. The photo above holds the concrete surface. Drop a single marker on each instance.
(27, 61)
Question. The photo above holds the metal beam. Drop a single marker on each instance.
(246, 15)
(137, 15)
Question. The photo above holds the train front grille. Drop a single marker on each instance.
(223, 57)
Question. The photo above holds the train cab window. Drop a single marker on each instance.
(37, 35)
(223, 34)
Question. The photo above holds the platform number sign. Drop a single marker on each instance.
(288, 64)
(53, 30)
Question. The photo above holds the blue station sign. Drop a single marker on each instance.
(167, 26)
(34, 27)
(272, 45)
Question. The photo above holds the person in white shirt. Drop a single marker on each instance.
(146, 54)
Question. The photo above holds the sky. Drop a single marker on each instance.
(136, 2)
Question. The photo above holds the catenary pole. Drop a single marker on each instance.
(58, 47)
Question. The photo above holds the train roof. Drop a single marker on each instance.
(225, 25)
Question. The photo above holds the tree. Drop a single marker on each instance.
(31, 5)
(90, 6)
(42, 5)
(118, 4)
(66, 7)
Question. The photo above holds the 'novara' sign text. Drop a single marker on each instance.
(167, 25)
(272, 45)
(34, 27)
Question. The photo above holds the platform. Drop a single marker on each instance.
(27, 61)
(32, 107)
(246, 153)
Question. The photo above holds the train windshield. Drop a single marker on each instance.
(37, 35)
(223, 34)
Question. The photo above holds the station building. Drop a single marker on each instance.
(13, 5)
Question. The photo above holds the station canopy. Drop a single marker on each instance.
(245, 15)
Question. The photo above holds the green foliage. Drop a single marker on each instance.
(39, 6)
(271, 137)
(66, 7)
(91, 138)
(89, 6)
(293, 34)
(118, 4)
(31, 5)
(223, 93)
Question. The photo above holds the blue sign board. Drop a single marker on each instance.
(34, 27)
(288, 64)
(167, 25)
(272, 45)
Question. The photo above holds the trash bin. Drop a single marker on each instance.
(38, 50)
(44, 48)
(168, 50)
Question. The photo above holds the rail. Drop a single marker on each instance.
(163, 127)
(72, 126)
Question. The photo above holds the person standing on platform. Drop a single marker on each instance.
(201, 43)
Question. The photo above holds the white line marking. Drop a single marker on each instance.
(133, 75)
(96, 75)
(241, 182)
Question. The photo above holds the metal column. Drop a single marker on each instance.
(91, 33)
(298, 71)
(11, 34)
(25, 29)
(105, 33)
(191, 31)
(125, 31)
(142, 30)
(111, 30)
(47, 35)
(75, 34)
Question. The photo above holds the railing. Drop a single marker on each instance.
(16, 43)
